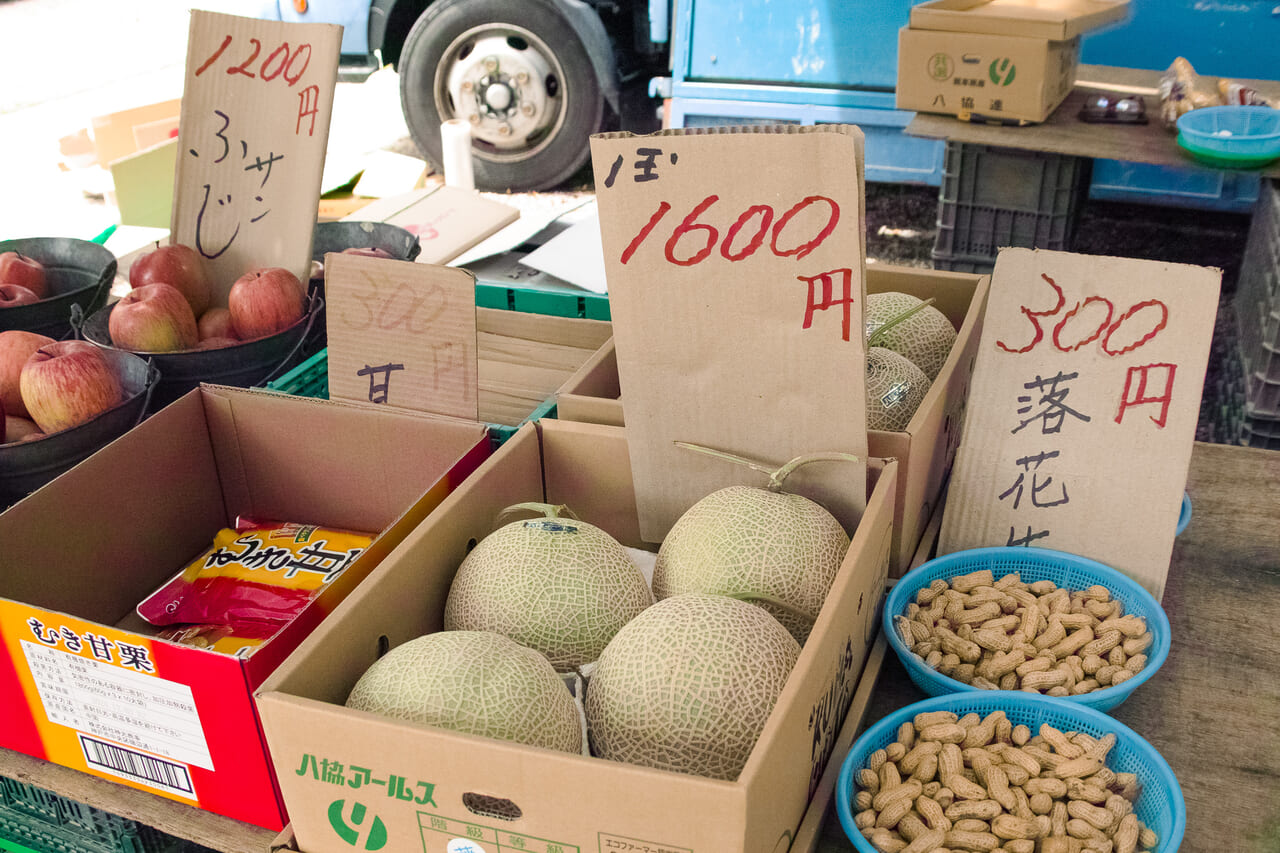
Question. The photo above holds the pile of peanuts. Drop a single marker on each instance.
(1008, 635)
(982, 784)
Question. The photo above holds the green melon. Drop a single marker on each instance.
(895, 388)
(763, 545)
(925, 337)
(475, 682)
(688, 685)
(558, 585)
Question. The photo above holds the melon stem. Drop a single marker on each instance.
(760, 598)
(776, 475)
(547, 510)
(878, 334)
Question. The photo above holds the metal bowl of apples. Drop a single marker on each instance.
(41, 278)
(168, 316)
(59, 402)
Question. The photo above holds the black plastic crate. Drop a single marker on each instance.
(981, 265)
(45, 822)
(1260, 431)
(1262, 382)
(993, 197)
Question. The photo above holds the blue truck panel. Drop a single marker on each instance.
(777, 57)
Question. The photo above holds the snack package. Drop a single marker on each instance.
(1183, 90)
(254, 579)
(1238, 94)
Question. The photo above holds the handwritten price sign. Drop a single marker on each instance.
(1083, 409)
(736, 264)
(402, 333)
(251, 142)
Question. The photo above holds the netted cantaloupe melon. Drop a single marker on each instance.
(558, 585)
(924, 337)
(780, 551)
(476, 682)
(895, 388)
(688, 685)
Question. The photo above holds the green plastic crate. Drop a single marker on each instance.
(33, 820)
(311, 379)
(536, 300)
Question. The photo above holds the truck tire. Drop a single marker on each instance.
(528, 89)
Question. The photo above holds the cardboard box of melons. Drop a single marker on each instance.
(925, 447)
(352, 775)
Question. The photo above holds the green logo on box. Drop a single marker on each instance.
(941, 66)
(348, 827)
(1002, 71)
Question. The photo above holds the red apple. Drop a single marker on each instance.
(264, 302)
(20, 429)
(16, 346)
(176, 265)
(217, 342)
(15, 294)
(19, 269)
(215, 323)
(66, 383)
(368, 252)
(153, 318)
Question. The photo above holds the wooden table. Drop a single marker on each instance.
(1213, 710)
(1064, 133)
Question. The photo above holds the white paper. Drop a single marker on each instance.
(574, 255)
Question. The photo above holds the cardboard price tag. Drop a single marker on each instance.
(736, 273)
(402, 333)
(1083, 408)
(251, 143)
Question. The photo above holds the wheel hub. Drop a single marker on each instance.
(500, 85)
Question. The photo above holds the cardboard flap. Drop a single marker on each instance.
(1055, 20)
(736, 267)
(1083, 408)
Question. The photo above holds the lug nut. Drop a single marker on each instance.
(504, 130)
(491, 64)
(522, 77)
(527, 109)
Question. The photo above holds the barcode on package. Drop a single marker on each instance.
(138, 766)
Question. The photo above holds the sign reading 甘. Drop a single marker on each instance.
(1083, 409)
(736, 272)
(402, 333)
(251, 143)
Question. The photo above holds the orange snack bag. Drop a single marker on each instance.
(253, 580)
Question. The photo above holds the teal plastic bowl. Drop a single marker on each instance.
(1160, 806)
(1034, 564)
(1240, 137)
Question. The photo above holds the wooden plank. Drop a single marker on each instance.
(1064, 133)
(169, 816)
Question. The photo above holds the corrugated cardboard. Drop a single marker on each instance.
(1010, 78)
(447, 220)
(256, 104)
(1051, 20)
(998, 60)
(120, 134)
(1083, 409)
(924, 450)
(424, 787)
(737, 304)
(401, 333)
(80, 553)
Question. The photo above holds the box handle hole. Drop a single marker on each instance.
(496, 807)
(384, 645)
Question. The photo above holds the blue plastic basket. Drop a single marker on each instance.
(1184, 516)
(1033, 564)
(1239, 137)
(1160, 806)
